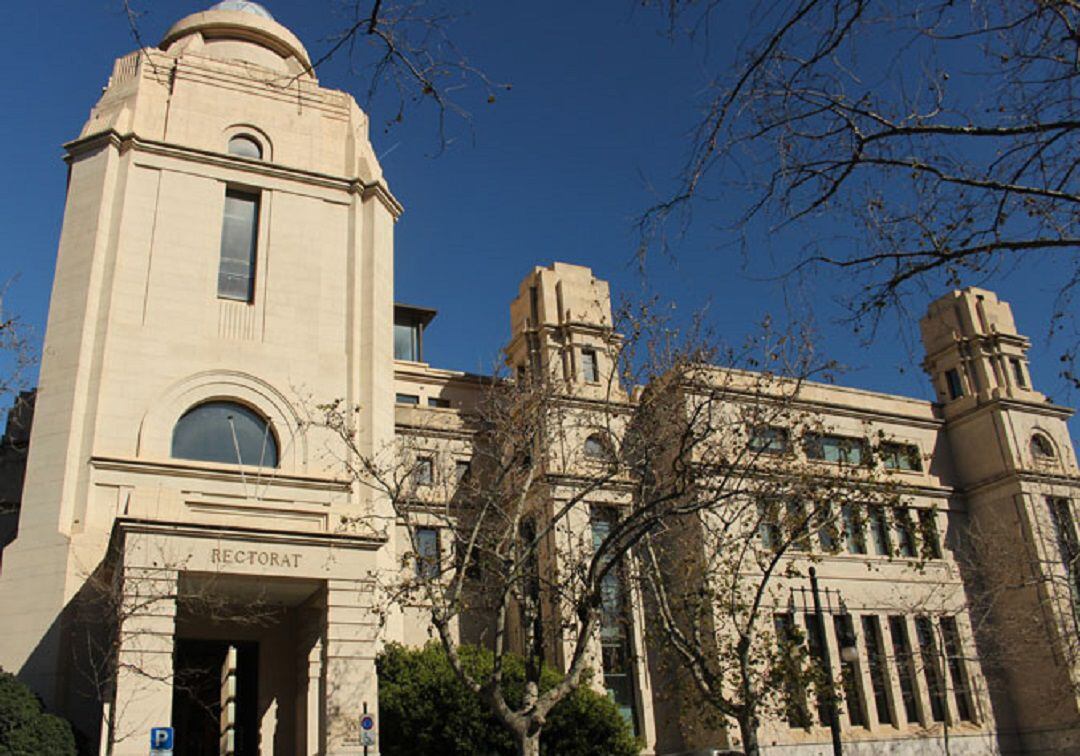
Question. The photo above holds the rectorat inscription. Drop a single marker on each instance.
(254, 557)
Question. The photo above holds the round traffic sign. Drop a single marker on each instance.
(367, 722)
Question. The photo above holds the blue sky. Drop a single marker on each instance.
(556, 169)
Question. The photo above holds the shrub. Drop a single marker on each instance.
(425, 709)
(25, 729)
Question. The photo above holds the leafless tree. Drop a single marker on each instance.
(944, 134)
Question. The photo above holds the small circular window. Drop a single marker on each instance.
(1041, 447)
(245, 146)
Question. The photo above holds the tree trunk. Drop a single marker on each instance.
(529, 745)
(748, 728)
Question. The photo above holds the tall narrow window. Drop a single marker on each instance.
(798, 525)
(952, 382)
(1067, 543)
(590, 371)
(879, 531)
(876, 666)
(815, 641)
(928, 534)
(850, 679)
(1018, 372)
(828, 532)
(905, 532)
(615, 644)
(957, 671)
(769, 523)
(854, 529)
(790, 647)
(427, 553)
(239, 237)
(928, 651)
(904, 673)
(406, 341)
(424, 472)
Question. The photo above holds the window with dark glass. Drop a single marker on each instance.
(243, 145)
(615, 642)
(427, 553)
(815, 641)
(798, 525)
(905, 673)
(876, 666)
(879, 531)
(406, 399)
(957, 670)
(438, 401)
(590, 369)
(904, 528)
(850, 679)
(901, 457)
(928, 651)
(596, 447)
(1018, 372)
(828, 532)
(1041, 447)
(854, 528)
(239, 241)
(769, 439)
(928, 534)
(461, 469)
(787, 638)
(225, 432)
(769, 523)
(952, 381)
(843, 449)
(1067, 543)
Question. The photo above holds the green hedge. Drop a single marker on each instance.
(425, 709)
(25, 729)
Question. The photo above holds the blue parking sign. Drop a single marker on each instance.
(161, 739)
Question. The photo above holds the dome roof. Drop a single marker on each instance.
(244, 6)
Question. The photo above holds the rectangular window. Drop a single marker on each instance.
(815, 640)
(438, 401)
(768, 440)
(798, 525)
(239, 240)
(406, 341)
(1068, 545)
(590, 371)
(877, 667)
(794, 699)
(928, 652)
(928, 534)
(879, 531)
(957, 671)
(850, 679)
(904, 528)
(854, 529)
(615, 645)
(828, 532)
(905, 674)
(952, 381)
(427, 553)
(407, 399)
(461, 469)
(848, 451)
(901, 457)
(1018, 372)
(769, 523)
(424, 472)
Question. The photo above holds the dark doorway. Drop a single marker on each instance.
(196, 708)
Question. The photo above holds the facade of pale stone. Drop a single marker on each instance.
(227, 250)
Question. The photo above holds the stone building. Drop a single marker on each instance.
(227, 247)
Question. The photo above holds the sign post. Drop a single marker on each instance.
(161, 741)
(367, 730)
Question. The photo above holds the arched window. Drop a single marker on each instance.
(1041, 448)
(243, 145)
(596, 447)
(225, 432)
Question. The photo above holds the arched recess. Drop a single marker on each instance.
(156, 429)
(252, 132)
